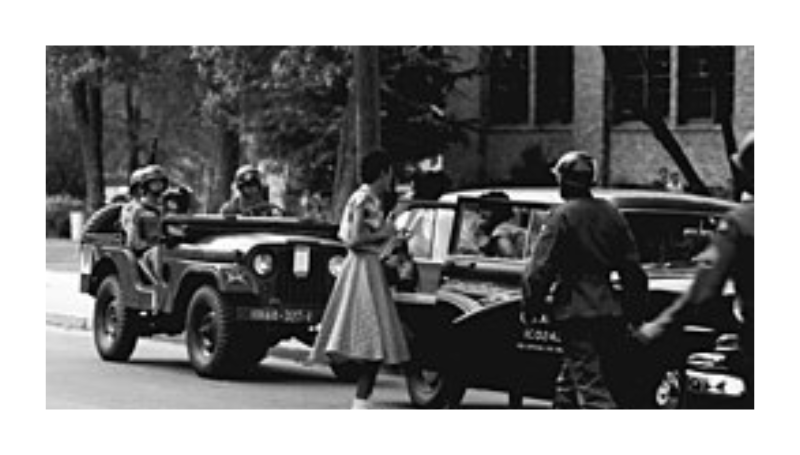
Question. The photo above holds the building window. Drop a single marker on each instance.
(642, 82)
(554, 84)
(509, 76)
(705, 83)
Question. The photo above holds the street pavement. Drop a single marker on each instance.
(67, 308)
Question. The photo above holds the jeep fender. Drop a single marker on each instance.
(227, 279)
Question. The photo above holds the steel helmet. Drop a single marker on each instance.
(247, 174)
(743, 158)
(143, 176)
(576, 168)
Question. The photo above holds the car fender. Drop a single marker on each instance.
(463, 303)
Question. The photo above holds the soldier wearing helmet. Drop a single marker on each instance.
(582, 242)
(730, 256)
(141, 216)
(251, 196)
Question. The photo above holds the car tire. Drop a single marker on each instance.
(432, 389)
(212, 339)
(115, 327)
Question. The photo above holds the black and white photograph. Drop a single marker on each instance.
(261, 217)
(400, 227)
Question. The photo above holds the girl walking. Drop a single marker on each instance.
(361, 323)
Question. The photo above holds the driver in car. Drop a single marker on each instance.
(251, 196)
(496, 234)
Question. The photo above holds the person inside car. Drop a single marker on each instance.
(497, 235)
(251, 196)
(141, 216)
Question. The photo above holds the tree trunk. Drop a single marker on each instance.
(484, 94)
(227, 162)
(368, 102)
(87, 102)
(656, 124)
(133, 124)
(346, 162)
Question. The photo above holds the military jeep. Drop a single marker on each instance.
(235, 286)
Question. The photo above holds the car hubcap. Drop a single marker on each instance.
(207, 333)
(429, 381)
(110, 320)
(669, 391)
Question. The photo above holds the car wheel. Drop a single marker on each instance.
(432, 389)
(668, 393)
(115, 327)
(211, 334)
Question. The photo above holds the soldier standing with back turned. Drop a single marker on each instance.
(583, 241)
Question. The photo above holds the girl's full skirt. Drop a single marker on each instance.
(361, 322)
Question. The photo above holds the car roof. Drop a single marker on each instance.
(625, 199)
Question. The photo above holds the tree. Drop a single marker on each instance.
(79, 72)
(230, 77)
(614, 57)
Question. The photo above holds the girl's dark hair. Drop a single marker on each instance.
(374, 165)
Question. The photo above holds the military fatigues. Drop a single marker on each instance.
(239, 206)
(730, 255)
(581, 244)
(141, 223)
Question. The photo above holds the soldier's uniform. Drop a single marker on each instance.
(256, 204)
(140, 218)
(238, 205)
(582, 242)
(730, 255)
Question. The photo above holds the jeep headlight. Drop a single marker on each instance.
(263, 264)
(335, 265)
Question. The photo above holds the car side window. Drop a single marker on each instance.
(420, 224)
(671, 239)
(498, 230)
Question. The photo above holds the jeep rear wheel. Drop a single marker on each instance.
(214, 341)
(115, 327)
(429, 388)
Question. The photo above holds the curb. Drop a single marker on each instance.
(286, 351)
(65, 321)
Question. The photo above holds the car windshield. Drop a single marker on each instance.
(671, 239)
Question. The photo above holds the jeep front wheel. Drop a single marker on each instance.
(211, 338)
(115, 327)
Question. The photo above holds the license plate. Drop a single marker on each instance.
(302, 261)
(291, 316)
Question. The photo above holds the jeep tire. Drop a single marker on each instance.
(217, 345)
(115, 327)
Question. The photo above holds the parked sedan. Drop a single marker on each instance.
(463, 317)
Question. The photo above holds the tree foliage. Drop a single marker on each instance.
(203, 110)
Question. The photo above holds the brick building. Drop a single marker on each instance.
(534, 103)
